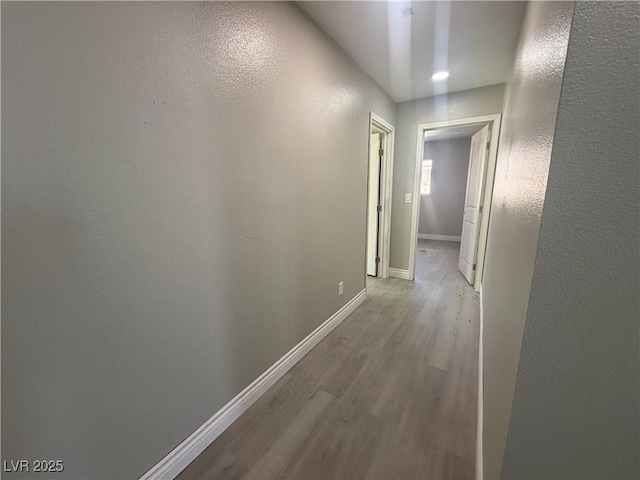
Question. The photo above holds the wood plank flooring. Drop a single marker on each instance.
(389, 394)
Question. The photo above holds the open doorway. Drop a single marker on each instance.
(380, 168)
(454, 182)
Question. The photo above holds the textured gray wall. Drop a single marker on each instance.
(531, 106)
(441, 212)
(182, 183)
(575, 410)
(467, 103)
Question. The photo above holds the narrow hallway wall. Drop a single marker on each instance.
(531, 107)
(183, 187)
(576, 406)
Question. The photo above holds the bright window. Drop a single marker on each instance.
(425, 179)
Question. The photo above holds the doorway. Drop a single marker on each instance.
(455, 168)
(379, 178)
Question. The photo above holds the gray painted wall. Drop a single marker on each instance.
(575, 410)
(441, 212)
(182, 184)
(531, 106)
(467, 103)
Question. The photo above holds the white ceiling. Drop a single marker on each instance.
(474, 40)
(451, 133)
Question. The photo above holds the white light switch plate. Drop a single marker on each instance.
(407, 198)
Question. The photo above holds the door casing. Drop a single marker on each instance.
(373, 215)
(487, 190)
(376, 122)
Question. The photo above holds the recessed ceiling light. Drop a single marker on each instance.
(440, 76)
(456, 133)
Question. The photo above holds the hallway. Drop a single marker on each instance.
(390, 393)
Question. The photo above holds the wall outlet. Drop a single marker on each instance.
(340, 289)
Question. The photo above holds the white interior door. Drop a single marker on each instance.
(372, 209)
(473, 204)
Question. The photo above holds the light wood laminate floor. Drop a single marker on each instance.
(389, 394)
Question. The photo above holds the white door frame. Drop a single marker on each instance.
(494, 122)
(386, 182)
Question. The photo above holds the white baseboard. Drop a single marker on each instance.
(398, 273)
(479, 429)
(444, 238)
(181, 456)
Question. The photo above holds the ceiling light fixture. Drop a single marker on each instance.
(440, 76)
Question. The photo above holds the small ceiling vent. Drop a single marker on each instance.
(407, 12)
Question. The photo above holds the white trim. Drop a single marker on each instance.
(487, 193)
(398, 273)
(382, 123)
(181, 456)
(416, 203)
(385, 192)
(479, 420)
(494, 121)
(444, 238)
